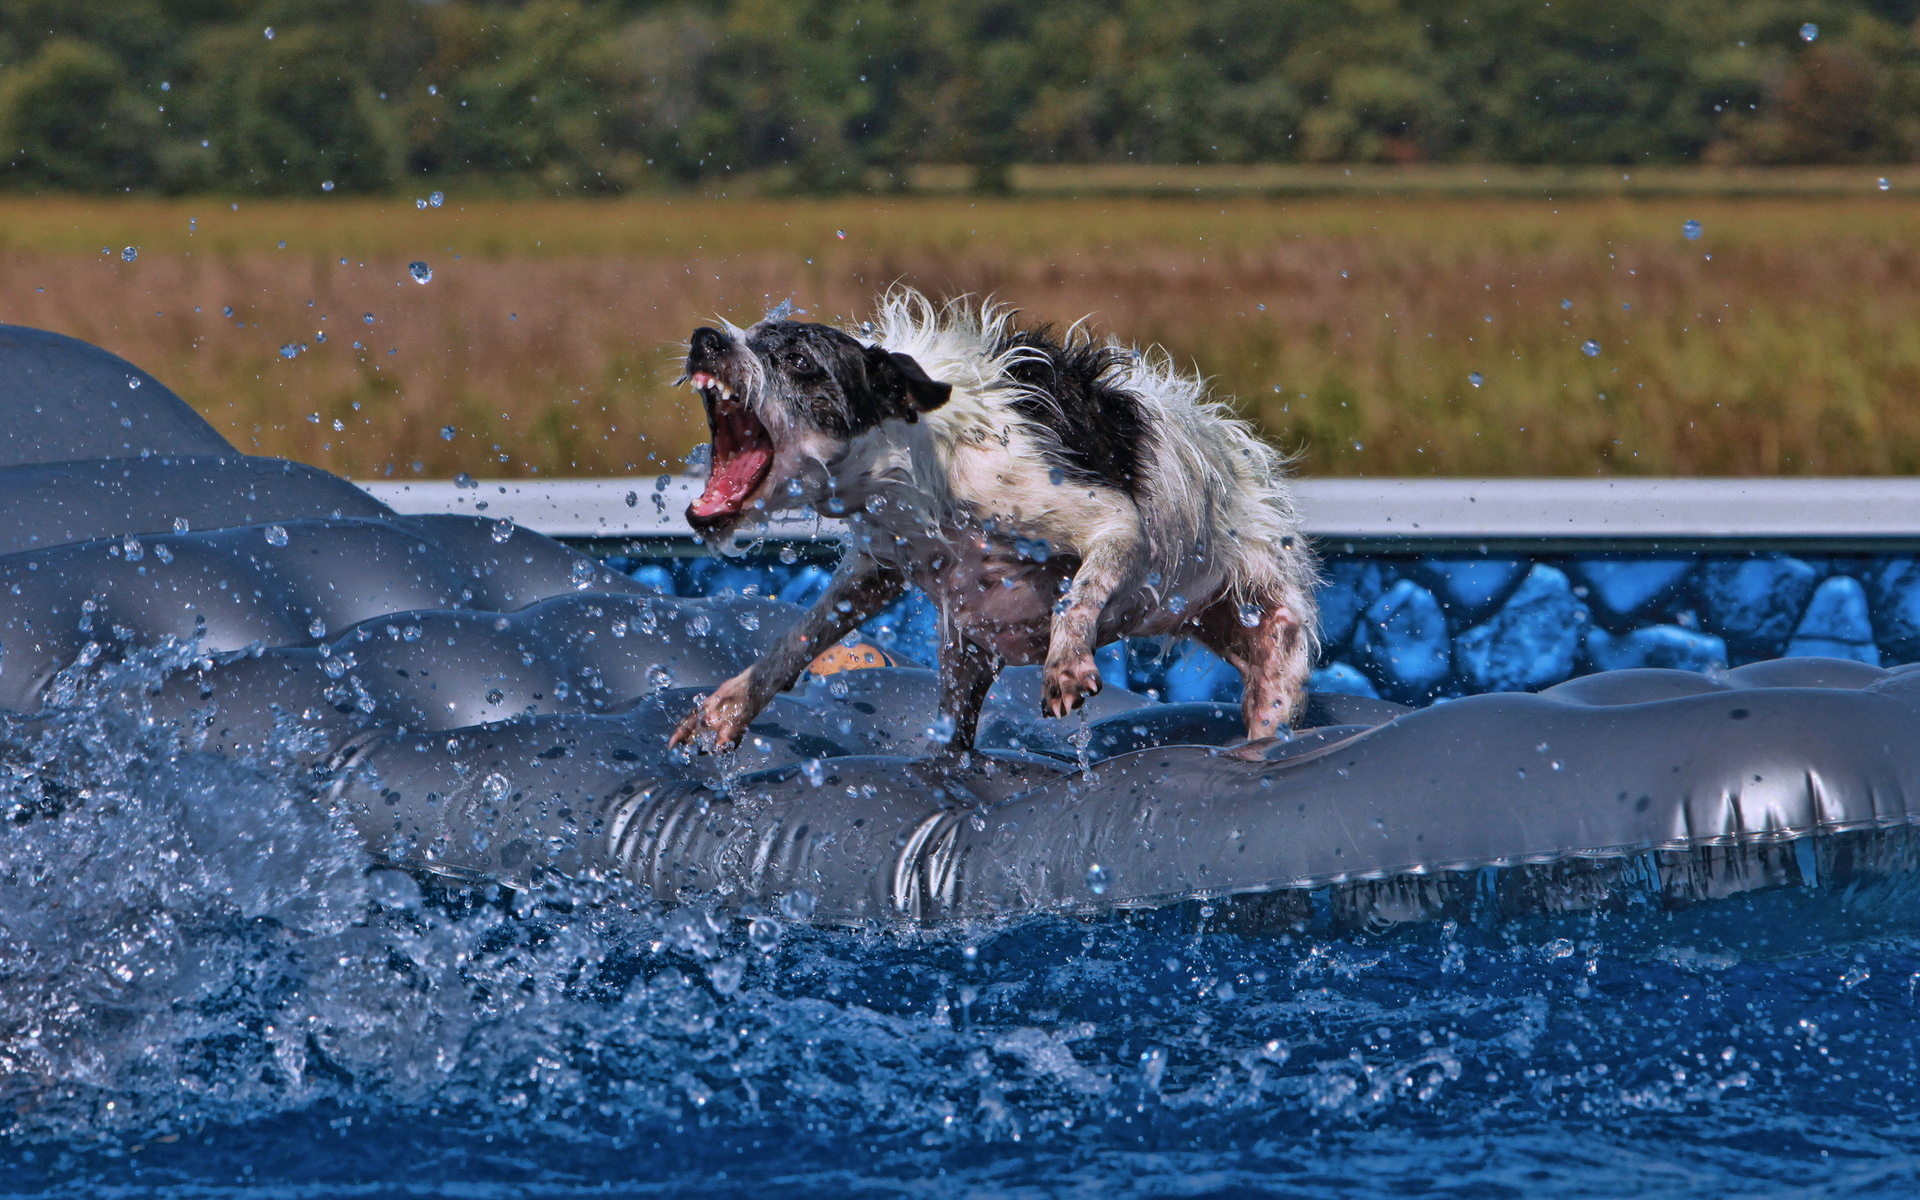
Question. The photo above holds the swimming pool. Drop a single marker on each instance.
(219, 996)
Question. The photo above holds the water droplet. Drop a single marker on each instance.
(1690, 230)
(180, 525)
(659, 678)
(421, 272)
(1809, 31)
(410, 634)
(1590, 348)
(1566, 304)
(368, 318)
(317, 628)
(227, 311)
(134, 383)
(496, 787)
(1177, 604)
(1250, 615)
(464, 480)
(420, 202)
(276, 535)
(841, 234)
(1476, 379)
(133, 550)
(1097, 879)
(941, 731)
(764, 933)
(269, 33)
(1885, 183)
(339, 426)
(797, 905)
(289, 350)
(446, 433)
(581, 573)
(130, 253)
(1056, 476)
(503, 529)
(814, 772)
(437, 199)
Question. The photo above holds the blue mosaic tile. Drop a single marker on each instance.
(1402, 642)
(1894, 590)
(805, 586)
(909, 628)
(1342, 679)
(1620, 590)
(653, 576)
(1198, 674)
(1348, 587)
(1837, 623)
(1470, 588)
(1533, 641)
(1655, 646)
(1755, 602)
(1391, 624)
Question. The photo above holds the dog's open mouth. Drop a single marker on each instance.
(742, 452)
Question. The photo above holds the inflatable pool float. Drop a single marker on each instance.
(486, 703)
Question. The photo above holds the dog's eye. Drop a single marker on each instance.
(801, 363)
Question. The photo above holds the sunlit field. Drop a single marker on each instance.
(1784, 339)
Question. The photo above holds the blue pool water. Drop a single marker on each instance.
(207, 989)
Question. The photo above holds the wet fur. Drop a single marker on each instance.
(1161, 512)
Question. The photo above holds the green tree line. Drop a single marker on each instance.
(608, 95)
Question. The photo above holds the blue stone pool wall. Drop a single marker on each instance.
(1420, 628)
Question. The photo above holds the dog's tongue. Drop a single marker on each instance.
(732, 480)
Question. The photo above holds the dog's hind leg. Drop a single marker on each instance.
(1268, 644)
(967, 672)
(860, 588)
(1070, 675)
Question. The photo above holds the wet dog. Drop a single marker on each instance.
(1049, 493)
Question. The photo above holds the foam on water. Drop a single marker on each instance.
(208, 985)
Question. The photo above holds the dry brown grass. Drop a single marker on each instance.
(1348, 327)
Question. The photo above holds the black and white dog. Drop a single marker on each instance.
(1049, 494)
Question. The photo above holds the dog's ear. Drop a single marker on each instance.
(902, 386)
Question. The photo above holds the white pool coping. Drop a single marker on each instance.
(1853, 510)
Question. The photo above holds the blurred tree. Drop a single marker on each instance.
(542, 92)
(603, 95)
(294, 110)
(69, 119)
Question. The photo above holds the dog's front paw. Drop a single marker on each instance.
(717, 721)
(1067, 682)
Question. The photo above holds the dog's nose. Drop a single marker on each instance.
(707, 341)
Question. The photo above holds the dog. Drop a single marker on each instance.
(1050, 493)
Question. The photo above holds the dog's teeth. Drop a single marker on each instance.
(726, 393)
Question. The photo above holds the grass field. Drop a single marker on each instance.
(1785, 339)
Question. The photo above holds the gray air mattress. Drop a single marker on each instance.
(488, 704)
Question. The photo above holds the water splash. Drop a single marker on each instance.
(199, 960)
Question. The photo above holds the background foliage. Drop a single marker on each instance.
(563, 96)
